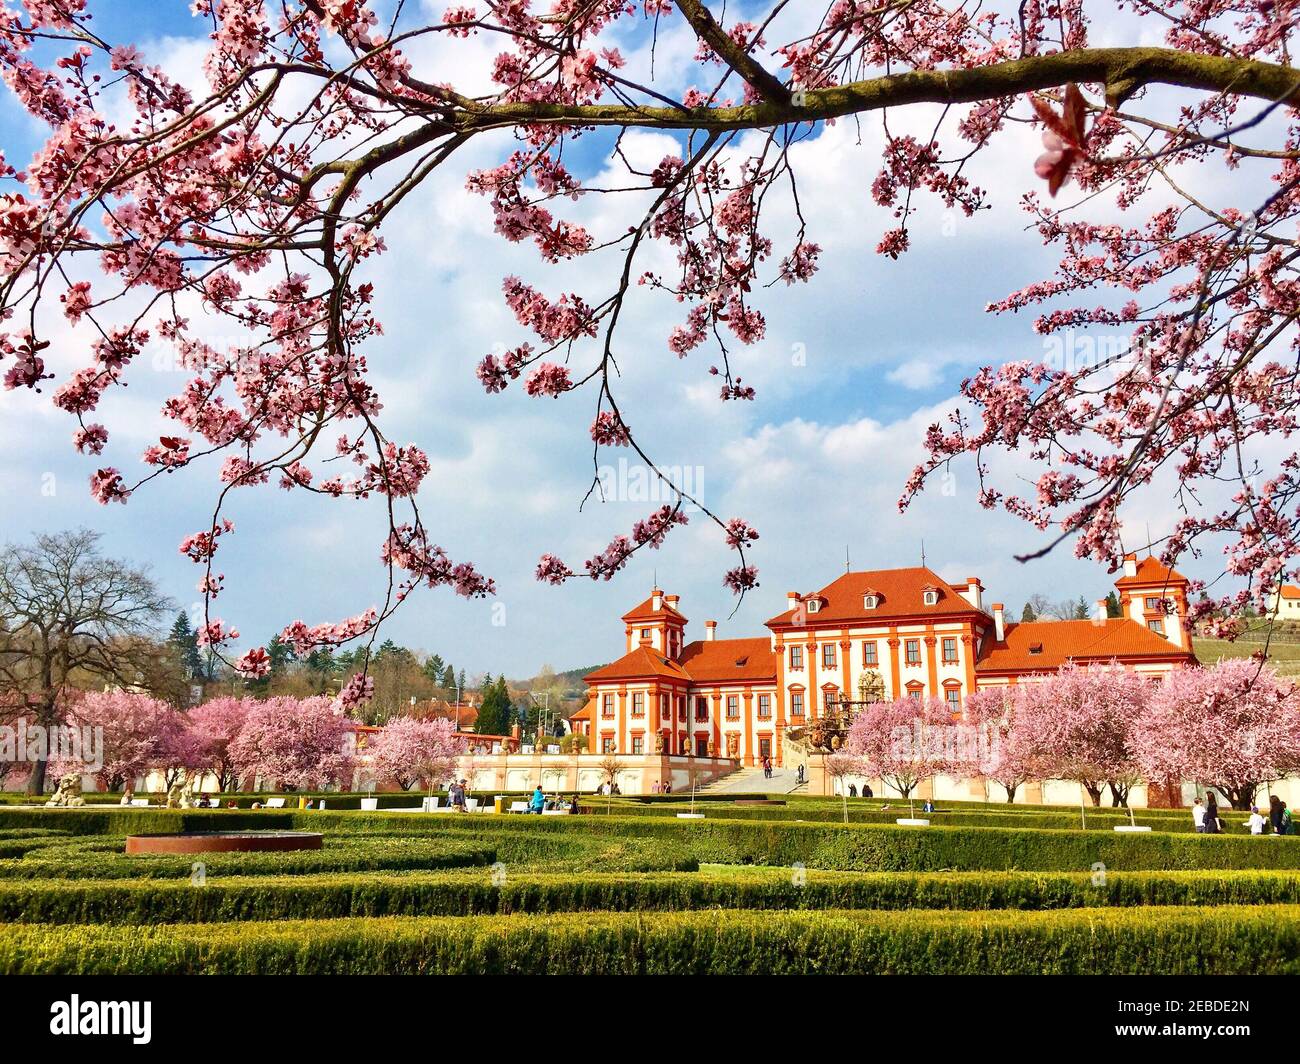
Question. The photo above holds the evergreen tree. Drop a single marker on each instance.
(1028, 614)
(495, 714)
(185, 640)
(460, 679)
(449, 679)
(281, 655)
(434, 667)
(1112, 605)
(1081, 611)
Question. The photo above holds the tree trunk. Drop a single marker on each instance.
(1094, 791)
(36, 779)
(1118, 794)
(1011, 789)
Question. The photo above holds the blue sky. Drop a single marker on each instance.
(816, 463)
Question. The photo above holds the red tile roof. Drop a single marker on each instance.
(724, 660)
(587, 712)
(647, 612)
(1290, 591)
(1062, 641)
(901, 594)
(1152, 572)
(642, 663)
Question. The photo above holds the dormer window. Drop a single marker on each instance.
(1035, 648)
(813, 605)
(870, 600)
(930, 596)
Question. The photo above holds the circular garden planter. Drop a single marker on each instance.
(225, 842)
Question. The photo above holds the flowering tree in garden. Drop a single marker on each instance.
(1078, 725)
(1233, 726)
(261, 203)
(295, 742)
(216, 725)
(137, 733)
(902, 742)
(410, 750)
(1005, 749)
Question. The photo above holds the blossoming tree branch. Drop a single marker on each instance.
(262, 201)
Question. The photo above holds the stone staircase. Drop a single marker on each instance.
(752, 781)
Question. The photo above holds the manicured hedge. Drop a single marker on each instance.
(1231, 940)
(467, 893)
(103, 856)
(339, 855)
(734, 841)
(870, 848)
(1102, 820)
(119, 820)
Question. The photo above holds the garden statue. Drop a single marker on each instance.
(68, 794)
(659, 742)
(733, 744)
(176, 796)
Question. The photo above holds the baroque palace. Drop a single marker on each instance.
(886, 633)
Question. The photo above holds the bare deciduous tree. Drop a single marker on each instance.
(71, 618)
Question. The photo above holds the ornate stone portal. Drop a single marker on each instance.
(827, 734)
(68, 794)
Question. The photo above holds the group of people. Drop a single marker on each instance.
(1206, 818)
(867, 792)
(663, 788)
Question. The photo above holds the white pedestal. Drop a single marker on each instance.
(1132, 827)
(912, 822)
(690, 816)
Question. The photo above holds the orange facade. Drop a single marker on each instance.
(885, 633)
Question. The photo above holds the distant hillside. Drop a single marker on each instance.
(570, 680)
(1282, 639)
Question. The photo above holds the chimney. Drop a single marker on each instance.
(791, 600)
(999, 622)
(974, 592)
(656, 600)
(672, 601)
(1100, 614)
(1130, 565)
(710, 630)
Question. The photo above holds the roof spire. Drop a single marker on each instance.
(923, 554)
(846, 557)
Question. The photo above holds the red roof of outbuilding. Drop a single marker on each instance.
(1062, 641)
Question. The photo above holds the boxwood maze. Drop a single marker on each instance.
(628, 887)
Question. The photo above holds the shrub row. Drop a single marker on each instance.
(118, 820)
(1230, 940)
(71, 862)
(103, 856)
(853, 847)
(475, 893)
(870, 848)
(1097, 820)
